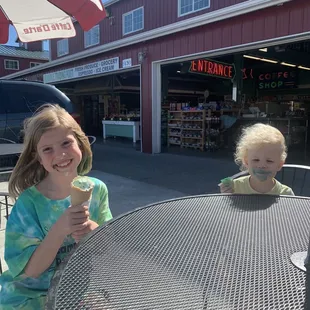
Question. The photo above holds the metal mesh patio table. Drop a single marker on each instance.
(203, 252)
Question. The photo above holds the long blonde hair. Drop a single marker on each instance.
(28, 170)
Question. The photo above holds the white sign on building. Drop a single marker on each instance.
(127, 63)
(98, 67)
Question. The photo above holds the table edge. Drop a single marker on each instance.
(90, 235)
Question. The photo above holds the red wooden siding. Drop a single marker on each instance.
(24, 63)
(157, 13)
(289, 19)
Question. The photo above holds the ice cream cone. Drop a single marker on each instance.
(81, 190)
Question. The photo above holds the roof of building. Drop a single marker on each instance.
(21, 52)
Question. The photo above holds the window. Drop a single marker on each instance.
(45, 45)
(92, 37)
(24, 45)
(25, 98)
(11, 64)
(62, 47)
(133, 21)
(34, 64)
(190, 6)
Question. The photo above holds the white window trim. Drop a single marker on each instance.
(131, 12)
(85, 33)
(35, 64)
(66, 53)
(6, 68)
(191, 12)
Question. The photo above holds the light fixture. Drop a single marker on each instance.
(304, 68)
(142, 56)
(288, 64)
(265, 50)
(251, 57)
(178, 71)
(269, 60)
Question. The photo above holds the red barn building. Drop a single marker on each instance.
(14, 59)
(137, 61)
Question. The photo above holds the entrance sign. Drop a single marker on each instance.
(98, 67)
(213, 68)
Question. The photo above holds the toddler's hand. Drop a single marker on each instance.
(73, 219)
(227, 186)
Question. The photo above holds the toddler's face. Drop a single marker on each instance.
(264, 162)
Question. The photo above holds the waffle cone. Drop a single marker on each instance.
(78, 195)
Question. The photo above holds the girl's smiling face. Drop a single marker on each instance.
(59, 151)
(264, 162)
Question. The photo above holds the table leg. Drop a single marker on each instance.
(7, 207)
(137, 130)
(134, 133)
(104, 136)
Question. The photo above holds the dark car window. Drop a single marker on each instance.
(3, 101)
(26, 97)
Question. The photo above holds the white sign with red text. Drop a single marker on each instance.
(37, 32)
(98, 67)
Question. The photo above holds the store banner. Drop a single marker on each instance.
(213, 68)
(98, 67)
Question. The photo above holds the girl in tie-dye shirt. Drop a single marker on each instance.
(42, 229)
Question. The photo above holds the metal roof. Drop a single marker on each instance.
(21, 52)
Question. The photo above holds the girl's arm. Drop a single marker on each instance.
(73, 219)
(44, 255)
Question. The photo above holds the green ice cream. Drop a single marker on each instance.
(227, 181)
(83, 183)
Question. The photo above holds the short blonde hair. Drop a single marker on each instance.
(28, 170)
(256, 136)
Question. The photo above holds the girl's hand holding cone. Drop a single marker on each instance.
(80, 234)
(81, 191)
(72, 220)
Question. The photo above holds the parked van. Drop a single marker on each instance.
(20, 98)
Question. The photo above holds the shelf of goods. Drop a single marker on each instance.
(187, 129)
(164, 125)
(213, 130)
(197, 129)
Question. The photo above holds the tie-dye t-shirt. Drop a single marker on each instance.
(29, 222)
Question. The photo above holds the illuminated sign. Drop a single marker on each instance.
(277, 80)
(213, 68)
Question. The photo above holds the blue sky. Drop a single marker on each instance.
(12, 36)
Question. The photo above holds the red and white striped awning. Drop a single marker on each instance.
(36, 20)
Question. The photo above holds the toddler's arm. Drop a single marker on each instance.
(227, 186)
